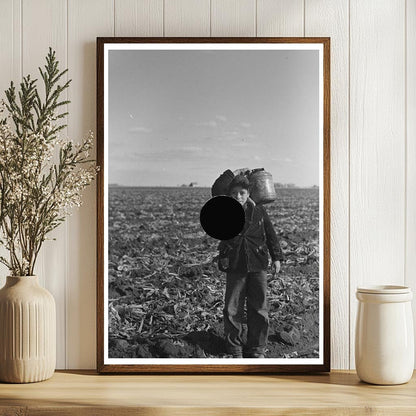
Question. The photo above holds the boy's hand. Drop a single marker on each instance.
(225, 263)
(276, 267)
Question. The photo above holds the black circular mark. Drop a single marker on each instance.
(222, 217)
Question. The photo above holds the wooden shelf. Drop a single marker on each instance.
(87, 393)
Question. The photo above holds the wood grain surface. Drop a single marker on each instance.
(280, 18)
(138, 18)
(187, 18)
(10, 66)
(330, 18)
(233, 18)
(377, 148)
(51, 264)
(410, 259)
(85, 392)
(85, 18)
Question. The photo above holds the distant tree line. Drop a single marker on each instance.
(291, 185)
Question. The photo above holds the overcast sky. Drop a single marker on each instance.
(177, 117)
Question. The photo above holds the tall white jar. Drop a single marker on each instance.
(384, 337)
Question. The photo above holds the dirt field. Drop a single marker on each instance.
(165, 290)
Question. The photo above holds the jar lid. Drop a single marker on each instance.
(384, 289)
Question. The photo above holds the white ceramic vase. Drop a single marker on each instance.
(27, 331)
(384, 337)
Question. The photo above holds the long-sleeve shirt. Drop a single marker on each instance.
(249, 250)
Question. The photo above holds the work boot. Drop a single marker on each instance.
(257, 356)
(254, 355)
(235, 352)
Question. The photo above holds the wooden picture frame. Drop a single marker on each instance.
(137, 320)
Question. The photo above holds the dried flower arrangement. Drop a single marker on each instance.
(42, 176)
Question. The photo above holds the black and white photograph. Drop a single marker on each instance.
(186, 123)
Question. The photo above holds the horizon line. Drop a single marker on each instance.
(115, 185)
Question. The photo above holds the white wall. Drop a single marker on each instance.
(373, 132)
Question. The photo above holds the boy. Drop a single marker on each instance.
(245, 259)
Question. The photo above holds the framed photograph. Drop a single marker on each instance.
(181, 121)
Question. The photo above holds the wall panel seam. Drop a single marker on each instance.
(13, 33)
(304, 18)
(349, 186)
(21, 40)
(66, 222)
(210, 18)
(405, 146)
